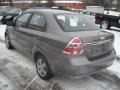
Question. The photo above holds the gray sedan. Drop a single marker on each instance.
(61, 42)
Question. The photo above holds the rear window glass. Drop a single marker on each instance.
(75, 22)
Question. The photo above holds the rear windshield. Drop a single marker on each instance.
(75, 22)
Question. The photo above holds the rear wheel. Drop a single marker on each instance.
(8, 43)
(105, 25)
(43, 68)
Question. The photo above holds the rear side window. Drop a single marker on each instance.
(37, 22)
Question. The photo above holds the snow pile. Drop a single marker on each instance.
(2, 31)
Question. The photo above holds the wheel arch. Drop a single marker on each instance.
(36, 54)
(5, 34)
(39, 51)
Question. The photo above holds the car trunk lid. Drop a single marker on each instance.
(96, 43)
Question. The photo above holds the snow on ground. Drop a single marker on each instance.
(117, 39)
(21, 73)
(116, 66)
(5, 83)
(17, 71)
(2, 31)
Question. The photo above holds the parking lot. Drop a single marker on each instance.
(17, 72)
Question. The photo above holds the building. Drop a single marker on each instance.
(72, 4)
(17, 3)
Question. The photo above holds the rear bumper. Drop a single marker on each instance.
(83, 67)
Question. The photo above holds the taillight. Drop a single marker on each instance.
(75, 46)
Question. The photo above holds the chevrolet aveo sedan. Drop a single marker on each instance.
(61, 42)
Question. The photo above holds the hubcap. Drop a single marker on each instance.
(104, 25)
(7, 41)
(41, 67)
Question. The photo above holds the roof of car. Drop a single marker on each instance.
(47, 10)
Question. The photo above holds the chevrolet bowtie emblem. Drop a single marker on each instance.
(102, 38)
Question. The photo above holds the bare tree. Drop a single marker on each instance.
(10, 1)
(50, 3)
(36, 2)
(1, 2)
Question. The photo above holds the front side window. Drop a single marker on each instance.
(37, 22)
(75, 22)
(23, 18)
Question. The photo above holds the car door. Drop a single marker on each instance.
(33, 32)
(20, 25)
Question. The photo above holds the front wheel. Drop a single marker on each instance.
(43, 68)
(105, 25)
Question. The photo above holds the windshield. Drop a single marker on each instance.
(75, 22)
(4, 9)
(14, 10)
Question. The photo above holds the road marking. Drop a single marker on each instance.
(30, 82)
(5, 84)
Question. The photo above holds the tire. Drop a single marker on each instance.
(43, 68)
(8, 43)
(105, 25)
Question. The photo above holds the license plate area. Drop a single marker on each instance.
(96, 50)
